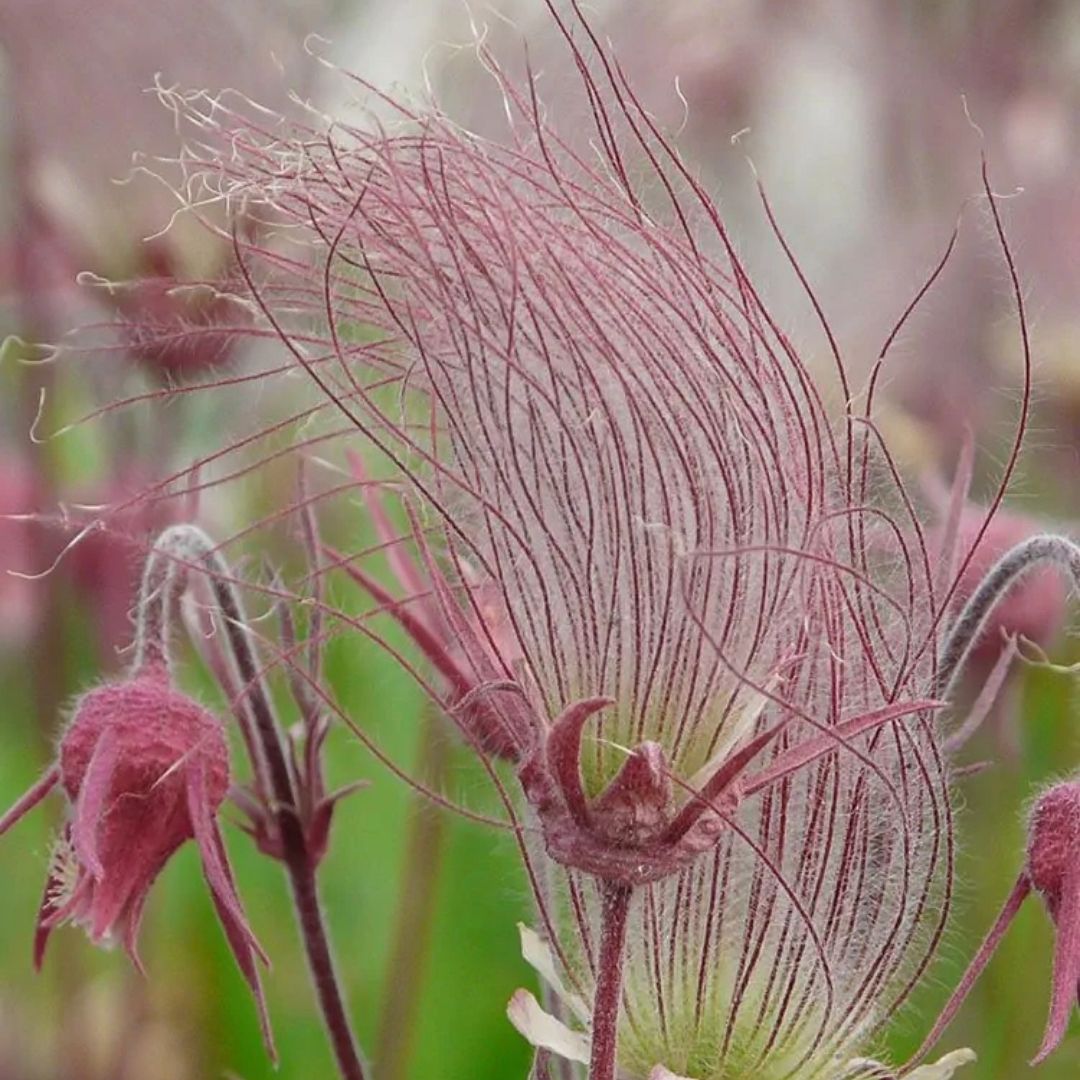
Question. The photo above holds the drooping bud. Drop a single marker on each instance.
(144, 768)
(1054, 870)
(135, 756)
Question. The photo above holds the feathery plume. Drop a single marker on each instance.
(648, 565)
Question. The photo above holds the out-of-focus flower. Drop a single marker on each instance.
(83, 121)
(19, 603)
(175, 329)
(144, 769)
(1025, 618)
(80, 80)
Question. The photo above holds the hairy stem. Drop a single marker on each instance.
(164, 580)
(987, 949)
(1012, 566)
(185, 542)
(299, 862)
(412, 932)
(321, 961)
(608, 997)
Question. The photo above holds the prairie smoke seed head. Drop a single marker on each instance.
(653, 572)
(713, 683)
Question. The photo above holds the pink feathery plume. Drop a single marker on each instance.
(644, 563)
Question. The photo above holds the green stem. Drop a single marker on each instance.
(412, 933)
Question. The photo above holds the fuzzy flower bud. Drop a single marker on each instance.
(1054, 870)
(144, 768)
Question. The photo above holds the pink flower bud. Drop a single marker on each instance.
(1054, 870)
(135, 756)
(145, 768)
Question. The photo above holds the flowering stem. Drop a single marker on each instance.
(185, 542)
(1008, 569)
(299, 862)
(30, 799)
(163, 582)
(321, 962)
(605, 1016)
(414, 923)
(987, 949)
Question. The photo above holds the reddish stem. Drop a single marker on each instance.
(299, 862)
(321, 961)
(987, 949)
(28, 801)
(184, 545)
(608, 997)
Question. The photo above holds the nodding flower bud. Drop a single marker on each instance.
(1054, 870)
(145, 768)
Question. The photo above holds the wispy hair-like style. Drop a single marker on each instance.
(648, 560)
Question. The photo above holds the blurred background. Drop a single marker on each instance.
(860, 118)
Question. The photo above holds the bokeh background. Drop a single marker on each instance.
(860, 118)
